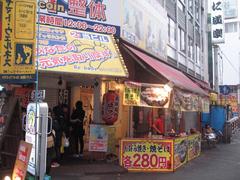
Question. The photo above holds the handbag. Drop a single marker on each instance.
(65, 141)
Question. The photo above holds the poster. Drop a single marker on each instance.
(148, 95)
(87, 15)
(17, 62)
(22, 159)
(184, 101)
(194, 146)
(98, 140)
(72, 51)
(144, 24)
(180, 151)
(143, 155)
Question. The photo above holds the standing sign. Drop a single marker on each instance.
(17, 49)
(180, 151)
(87, 15)
(98, 140)
(22, 159)
(36, 134)
(217, 21)
(142, 155)
(194, 146)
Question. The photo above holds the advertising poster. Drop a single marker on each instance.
(148, 95)
(73, 51)
(17, 62)
(180, 151)
(87, 15)
(21, 163)
(144, 24)
(194, 146)
(30, 137)
(147, 156)
(98, 140)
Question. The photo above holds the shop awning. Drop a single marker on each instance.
(176, 77)
(71, 51)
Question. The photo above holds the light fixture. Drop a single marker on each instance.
(168, 87)
(7, 178)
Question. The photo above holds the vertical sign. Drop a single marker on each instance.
(17, 39)
(217, 21)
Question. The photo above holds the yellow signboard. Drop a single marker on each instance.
(72, 51)
(180, 151)
(194, 146)
(17, 41)
(147, 155)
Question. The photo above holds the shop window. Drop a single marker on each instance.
(171, 32)
(231, 27)
(197, 49)
(181, 40)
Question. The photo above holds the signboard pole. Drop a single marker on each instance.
(216, 84)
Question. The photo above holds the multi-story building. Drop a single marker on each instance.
(229, 52)
(187, 36)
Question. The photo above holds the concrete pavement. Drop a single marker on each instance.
(220, 163)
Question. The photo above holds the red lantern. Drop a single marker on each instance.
(110, 107)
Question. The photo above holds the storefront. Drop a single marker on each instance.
(156, 86)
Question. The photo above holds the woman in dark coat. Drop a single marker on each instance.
(77, 120)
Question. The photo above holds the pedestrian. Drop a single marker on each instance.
(158, 124)
(77, 120)
(58, 128)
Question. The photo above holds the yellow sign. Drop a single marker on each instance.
(180, 151)
(72, 51)
(147, 155)
(17, 41)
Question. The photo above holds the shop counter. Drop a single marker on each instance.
(159, 155)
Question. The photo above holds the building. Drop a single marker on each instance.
(187, 36)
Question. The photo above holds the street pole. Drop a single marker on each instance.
(216, 80)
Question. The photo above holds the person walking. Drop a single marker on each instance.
(77, 120)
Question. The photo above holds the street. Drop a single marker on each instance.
(220, 163)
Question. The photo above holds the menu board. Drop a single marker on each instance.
(146, 95)
(180, 151)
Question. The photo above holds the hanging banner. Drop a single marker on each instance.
(21, 163)
(184, 101)
(149, 95)
(147, 156)
(217, 21)
(87, 15)
(71, 51)
(144, 24)
(180, 151)
(194, 146)
(17, 64)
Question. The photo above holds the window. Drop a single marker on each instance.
(171, 32)
(197, 10)
(190, 18)
(181, 40)
(180, 6)
(190, 47)
(190, 5)
(231, 27)
(197, 49)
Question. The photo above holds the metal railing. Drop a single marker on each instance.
(230, 128)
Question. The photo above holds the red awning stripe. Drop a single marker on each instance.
(176, 77)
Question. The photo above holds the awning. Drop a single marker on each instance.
(71, 51)
(176, 77)
(204, 85)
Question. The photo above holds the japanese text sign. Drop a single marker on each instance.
(17, 41)
(72, 51)
(217, 21)
(143, 155)
(87, 15)
(143, 94)
(22, 159)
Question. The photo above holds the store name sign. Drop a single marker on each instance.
(217, 21)
(87, 15)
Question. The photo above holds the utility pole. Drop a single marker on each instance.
(216, 80)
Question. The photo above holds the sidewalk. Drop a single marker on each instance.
(75, 168)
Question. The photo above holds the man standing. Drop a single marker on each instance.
(158, 124)
(77, 120)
